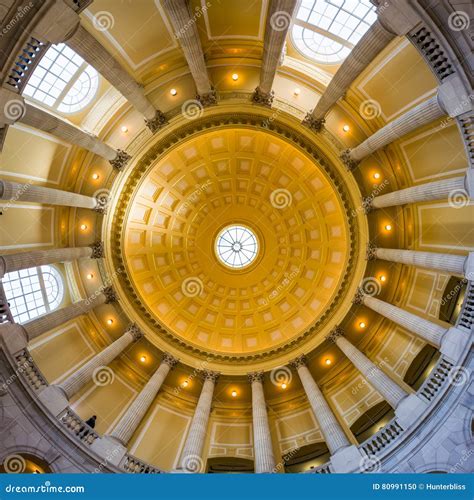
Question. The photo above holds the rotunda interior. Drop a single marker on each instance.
(236, 236)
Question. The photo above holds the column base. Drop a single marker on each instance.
(409, 410)
(454, 344)
(13, 337)
(54, 398)
(110, 449)
(348, 459)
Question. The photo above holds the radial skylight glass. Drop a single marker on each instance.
(236, 246)
(327, 30)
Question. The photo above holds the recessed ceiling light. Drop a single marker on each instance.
(173, 92)
(142, 359)
(235, 77)
(297, 91)
(124, 129)
(83, 227)
(90, 276)
(376, 175)
(95, 176)
(327, 361)
(234, 394)
(110, 321)
(382, 277)
(284, 386)
(362, 324)
(388, 227)
(346, 128)
(185, 383)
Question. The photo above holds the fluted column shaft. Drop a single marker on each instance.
(14, 191)
(429, 260)
(262, 441)
(389, 390)
(278, 23)
(130, 421)
(42, 120)
(332, 431)
(38, 326)
(184, 26)
(428, 331)
(191, 457)
(425, 192)
(100, 58)
(84, 374)
(365, 51)
(420, 115)
(24, 260)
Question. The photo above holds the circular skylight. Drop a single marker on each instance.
(236, 246)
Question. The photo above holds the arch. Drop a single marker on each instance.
(33, 292)
(372, 421)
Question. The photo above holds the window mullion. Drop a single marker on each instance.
(325, 33)
(43, 289)
(70, 84)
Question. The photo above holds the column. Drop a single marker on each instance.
(84, 374)
(191, 457)
(42, 120)
(278, 21)
(13, 192)
(394, 17)
(130, 421)
(426, 330)
(185, 30)
(24, 260)
(262, 441)
(389, 390)
(38, 326)
(332, 431)
(450, 100)
(436, 190)
(420, 115)
(82, 42)
(456, 264)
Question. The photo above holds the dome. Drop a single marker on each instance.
(236, 237)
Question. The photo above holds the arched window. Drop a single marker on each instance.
(33, 292)
(327, 30)
(63, 80)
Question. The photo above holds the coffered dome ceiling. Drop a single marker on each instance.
(172, 212)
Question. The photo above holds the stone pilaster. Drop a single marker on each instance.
(263, 449)
(24, 260)
(191, 457)
(85, 373)
(130, 421)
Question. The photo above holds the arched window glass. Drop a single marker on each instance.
(327, 30)
(33, 292)
(63, 80)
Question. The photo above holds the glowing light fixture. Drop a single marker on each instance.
(376, 175)
(234, 394)
(110, 321)
(382, 277)
(173, 92)
(124, 129)
(235, 77)
(185, 383)
(346, 128)
(362, 324)
(297, 91)
(142, 359)
(83, 227)
(95, 176)
(327, 361)
(90, 276)
(283, 386)
(388, 227)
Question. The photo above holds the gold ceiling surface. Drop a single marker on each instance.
(206, 182)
